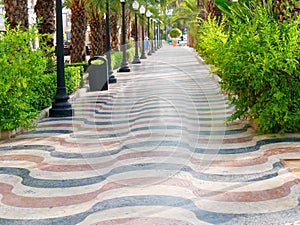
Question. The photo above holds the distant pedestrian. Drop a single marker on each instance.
(146, 44)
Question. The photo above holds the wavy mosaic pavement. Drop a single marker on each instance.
(154, 149)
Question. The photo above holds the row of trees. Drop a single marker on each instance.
(82, 13)
(92, 12)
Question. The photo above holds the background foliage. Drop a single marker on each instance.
(175, 33)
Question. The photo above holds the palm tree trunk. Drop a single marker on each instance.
(103, 36)
(16, 12)
(44, 10)
(114, 31)
(128, 23)
(95, 25)
(285, 9)
(212, 10)
(78, 31)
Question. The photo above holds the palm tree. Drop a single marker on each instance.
(44, 10)
(16, 12)
(78, 29)
(94, 16)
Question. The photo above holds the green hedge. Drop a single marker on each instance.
(46, 86)
(258, 61)
(116, 60)
(73, 77)
(25, 88)
(117, 57)
(83, 64)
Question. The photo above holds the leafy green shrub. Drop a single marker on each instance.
(211, 40)
(128, 44)
(258, 58)
(130, 54)
(25, 87)
(116, 59)
(45, 87)
(261, 72)
(44, 90)
(83, 64)
(73, 77)
(20, 67)
(175, 33)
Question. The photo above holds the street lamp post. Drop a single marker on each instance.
(112, 78)
(124, 66)
(158, 34)
(161, 34)
(142, 11)
(153, 35)
(148, 14)
(136, 60)
(61, 107)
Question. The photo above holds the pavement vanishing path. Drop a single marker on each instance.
(153, 149)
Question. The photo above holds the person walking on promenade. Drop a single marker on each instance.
(146, 44)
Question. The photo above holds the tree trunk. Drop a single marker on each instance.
(103, 36)
(78, 31)
(285, 9)
(114, 32)
(95, 25)
(44, 10)
(128, 23)
(212, 10)
(16, 12)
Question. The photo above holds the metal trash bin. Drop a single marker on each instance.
(98, 74)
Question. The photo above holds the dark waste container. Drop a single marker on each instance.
(98, 74)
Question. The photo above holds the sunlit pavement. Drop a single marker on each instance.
(153, 149)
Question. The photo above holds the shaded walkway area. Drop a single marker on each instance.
(153, 149)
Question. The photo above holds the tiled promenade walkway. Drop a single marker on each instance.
(153, 150)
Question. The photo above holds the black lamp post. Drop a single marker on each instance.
(161, 34)
(112, 78)
(136, 60)
(142, 11)
(60, 107)
(124, 66)
(153, 35)
(148, 14)
(158, 34)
